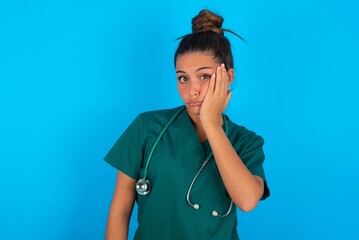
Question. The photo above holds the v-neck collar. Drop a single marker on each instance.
(202, 150)
(191, 137)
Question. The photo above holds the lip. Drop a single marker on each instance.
(194, 103)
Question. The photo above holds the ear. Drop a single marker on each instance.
(230, 73)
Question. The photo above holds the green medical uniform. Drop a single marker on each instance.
(164, 214)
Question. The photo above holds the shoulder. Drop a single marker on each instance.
(159, 114)
(241, 136)
(155, 120)
(162, 115)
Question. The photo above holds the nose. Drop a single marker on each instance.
(194, 89)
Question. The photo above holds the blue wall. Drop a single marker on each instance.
(74, 74)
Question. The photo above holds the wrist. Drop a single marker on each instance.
(211, 124)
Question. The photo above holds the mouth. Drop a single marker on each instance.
(194, 103)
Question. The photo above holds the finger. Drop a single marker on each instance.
(218, 86)
(211, 86)
(224, 85)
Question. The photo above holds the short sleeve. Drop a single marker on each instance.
(253, 157)
(127, 153)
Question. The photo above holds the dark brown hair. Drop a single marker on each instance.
(207, 36)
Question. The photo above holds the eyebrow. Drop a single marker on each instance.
(199, 69)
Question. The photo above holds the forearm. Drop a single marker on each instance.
(121, 208)
(117, 226)
(244, 188)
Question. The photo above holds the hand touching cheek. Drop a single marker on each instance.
(217, 96)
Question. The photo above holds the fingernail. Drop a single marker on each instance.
(222, 65)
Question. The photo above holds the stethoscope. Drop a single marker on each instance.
(143, 186)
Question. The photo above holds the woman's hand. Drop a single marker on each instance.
(243, 187)
(217, 97)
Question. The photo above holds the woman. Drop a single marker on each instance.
(201, 164)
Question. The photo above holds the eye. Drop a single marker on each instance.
(205, 77)
(182, 79)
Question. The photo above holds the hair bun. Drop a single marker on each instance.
(207, 21)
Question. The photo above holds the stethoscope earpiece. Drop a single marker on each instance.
(143, 186)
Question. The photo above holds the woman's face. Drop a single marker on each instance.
(194, 70)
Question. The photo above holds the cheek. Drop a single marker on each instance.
(181, 89)
(204, 86)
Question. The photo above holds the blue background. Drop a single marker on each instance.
(74, 74)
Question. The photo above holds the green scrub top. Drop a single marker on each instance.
(164, 213)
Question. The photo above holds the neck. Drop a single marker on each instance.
(196, 121)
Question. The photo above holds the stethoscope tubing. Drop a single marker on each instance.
(143, 185)
(197, 206)
(159, 138)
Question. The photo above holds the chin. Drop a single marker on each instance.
(193, 110)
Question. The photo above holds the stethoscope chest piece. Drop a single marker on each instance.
(143, 186)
